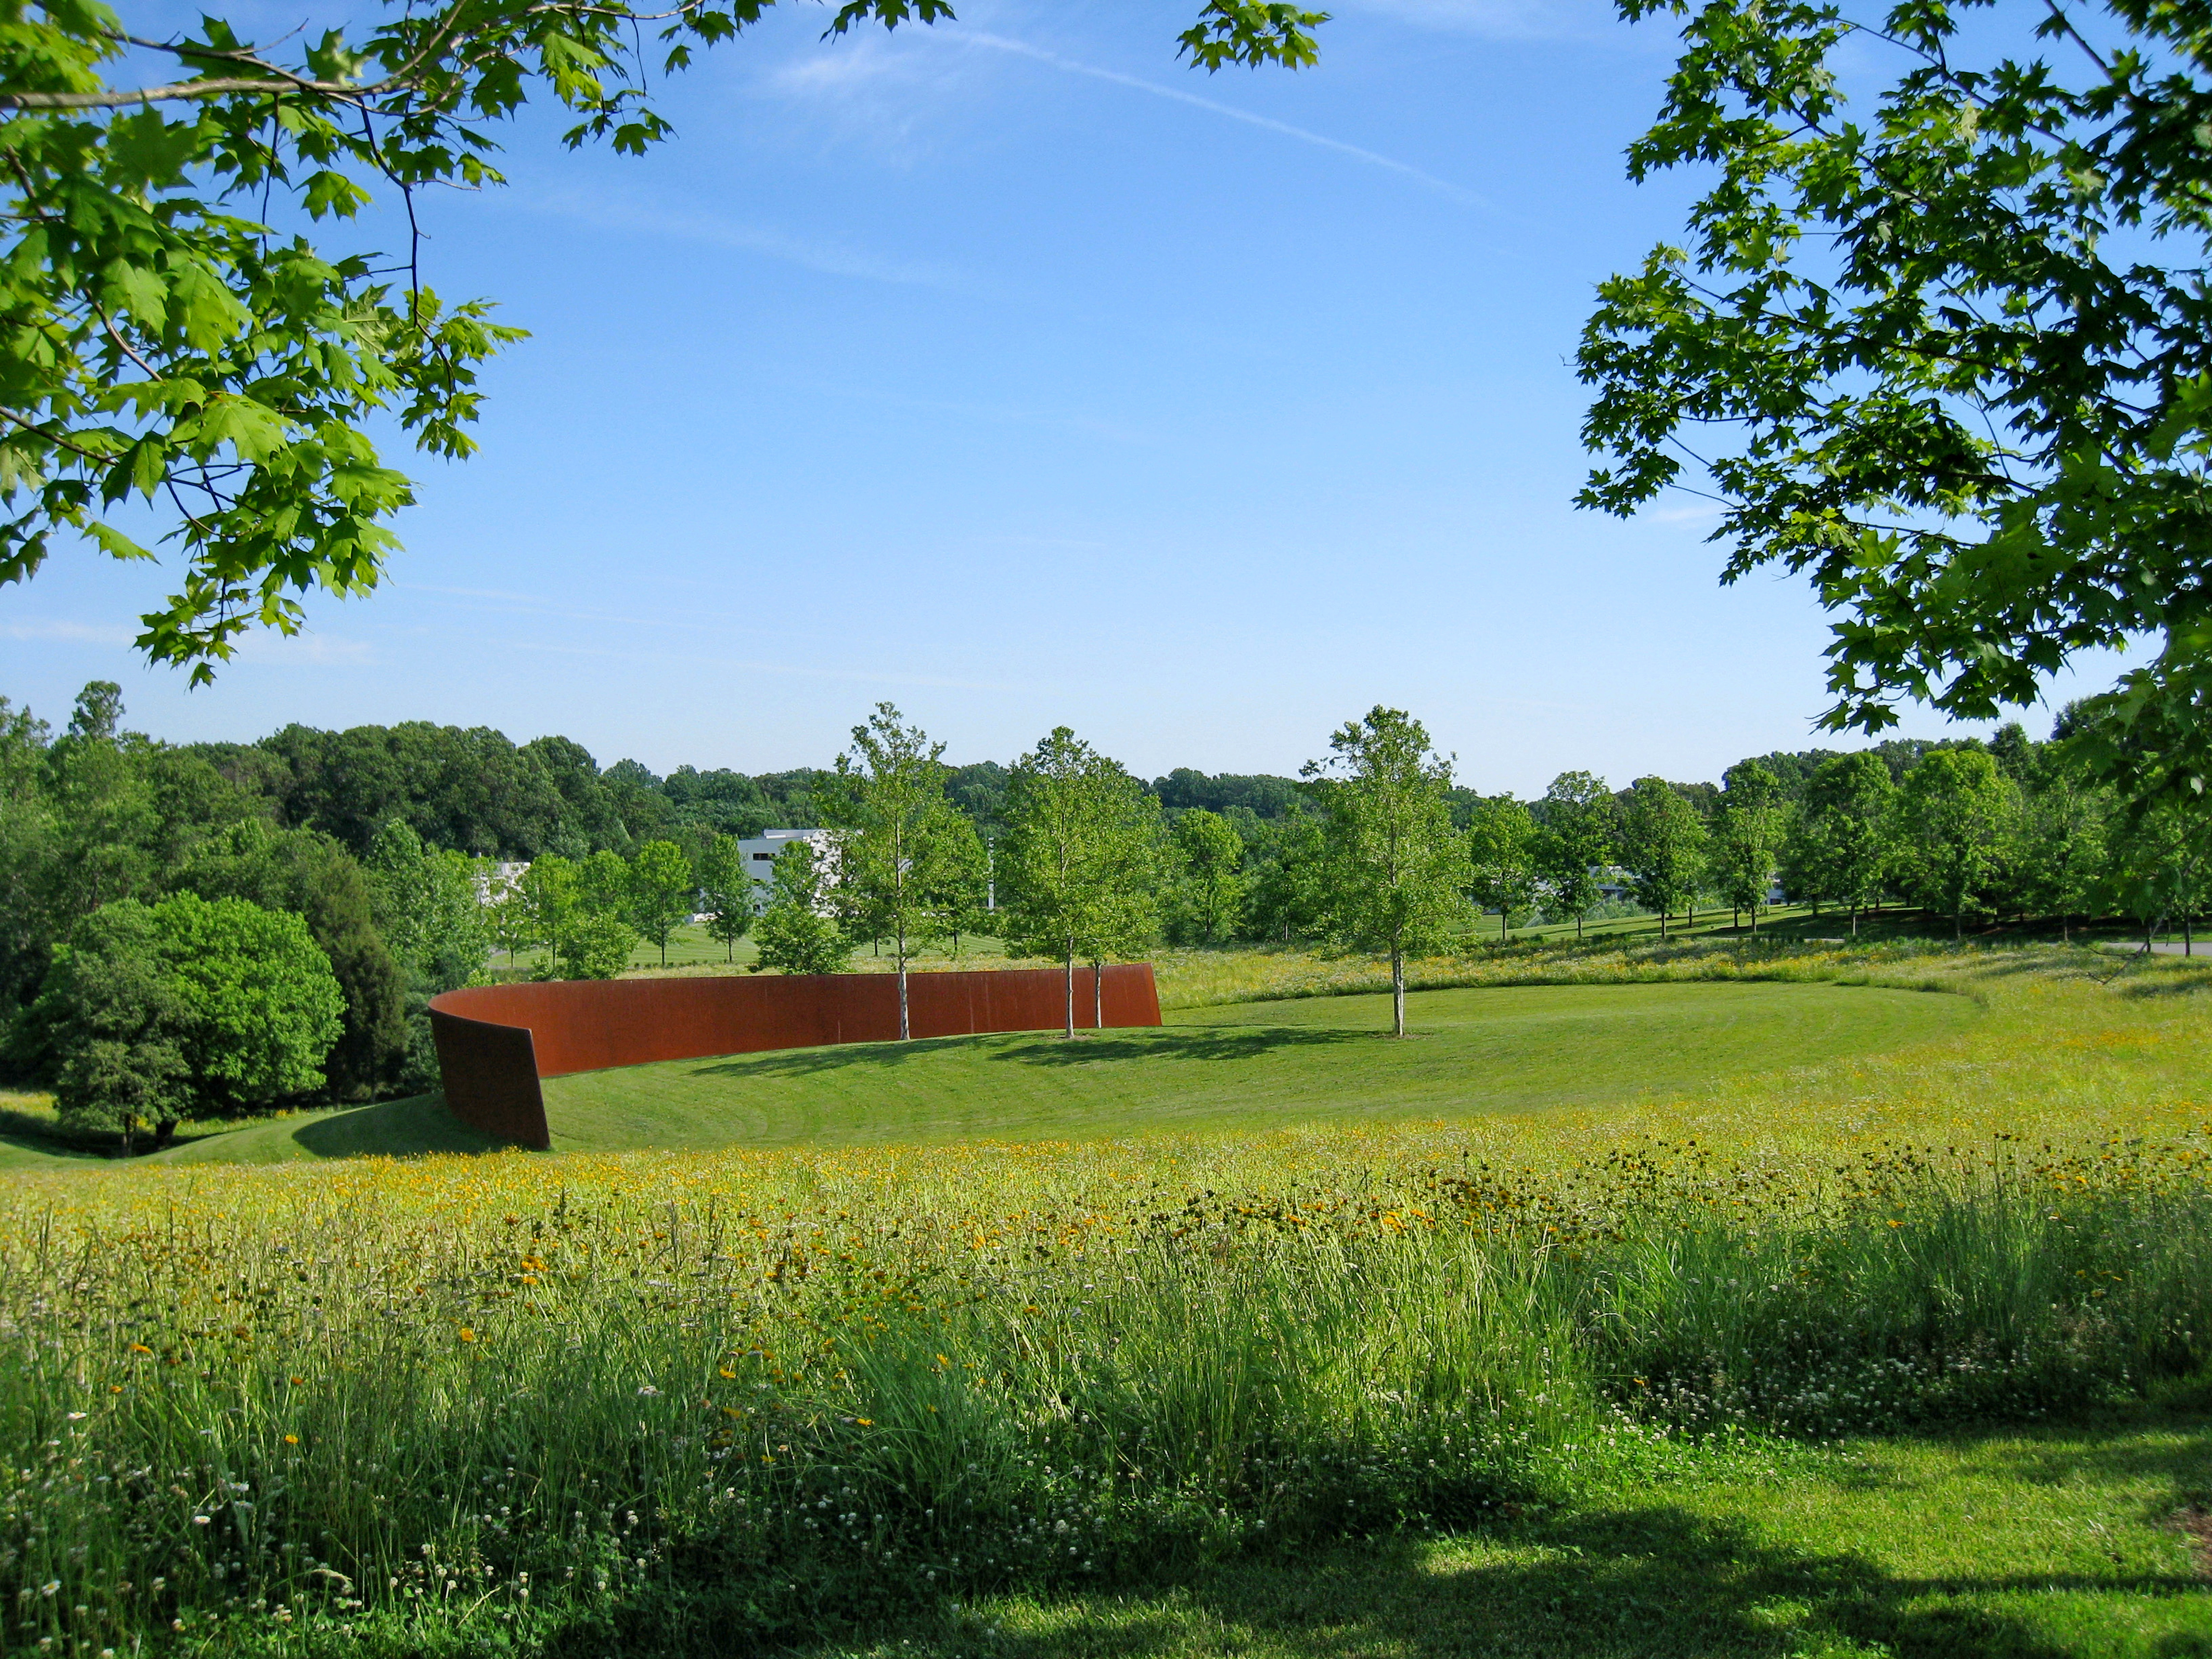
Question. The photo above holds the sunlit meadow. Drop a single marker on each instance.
(594, 1405)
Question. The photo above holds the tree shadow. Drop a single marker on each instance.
(1090, 1047)
(1642, 1581)
(27, 1131)
(392, 1129)
(1607, 1584)
(1200, 1042)
(829, 1057)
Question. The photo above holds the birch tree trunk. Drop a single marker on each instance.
(906, 1032)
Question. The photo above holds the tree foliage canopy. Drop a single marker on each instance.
(151, 1010)
(1949, 355)
(1399, 870)
(182, 345)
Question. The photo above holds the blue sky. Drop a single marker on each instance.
(1014, 372)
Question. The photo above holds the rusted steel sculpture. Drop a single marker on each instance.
(496, 1042)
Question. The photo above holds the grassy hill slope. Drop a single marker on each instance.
(1254, 1065)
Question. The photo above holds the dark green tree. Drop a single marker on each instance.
(1747, 834)
(663, 892)
(1953, 814)
(1287, 900)
(1078, 865)
(315, 878)
(726, 893)
(1209, 898)
(1840, 845)
(899, 840)
(224, 1006)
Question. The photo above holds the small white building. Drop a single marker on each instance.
(494, 881)
(759, 853)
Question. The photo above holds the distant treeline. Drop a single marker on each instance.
(470, 790)
(372, 840)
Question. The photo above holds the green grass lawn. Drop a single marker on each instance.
(1240, 1067)
(1252, 1066)
(2015, 1544)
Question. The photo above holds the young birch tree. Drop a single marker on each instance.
(1747, 836)
(1662, 843)
(1076, 863)
(1575, 845)
(1840, 847)
(1501, 845)
(1953, 815)
(726, 893)
(895, 834)
(1398, 868)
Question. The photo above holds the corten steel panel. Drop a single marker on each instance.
(588, 1025)
(490, 1076)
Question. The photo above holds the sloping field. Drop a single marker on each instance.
(1253, 1066)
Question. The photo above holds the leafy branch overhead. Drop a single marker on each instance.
(178, 349)
(1948, 353)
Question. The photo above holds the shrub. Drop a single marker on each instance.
(152, 1012)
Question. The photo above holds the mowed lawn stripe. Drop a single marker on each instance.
(1257, 1066)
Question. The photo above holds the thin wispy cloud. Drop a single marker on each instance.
(75, 632)
(711, 230)
(1267, 123)
(806, 672)
(1507, 20)
(280, 650)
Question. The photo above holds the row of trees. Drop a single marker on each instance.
(155, 915)
(1373, 847)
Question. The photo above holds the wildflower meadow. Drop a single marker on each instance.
(632, 1403)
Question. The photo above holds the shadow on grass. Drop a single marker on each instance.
(1645, 1582)
(1658, 1582)
(1165, 1042)
(27, 1131)
(392, 1129)
(1200, 1042)
(389, 1128)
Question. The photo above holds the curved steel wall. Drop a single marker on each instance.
(496, 1042)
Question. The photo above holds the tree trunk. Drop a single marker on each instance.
(905, 1031)
(1501, 925)
(1735, 918)
(1099, 996)
(2188, 938)
(1578, 928)
(1397, 988)
(1071, 988)
(1754, 921)
(1662, 927)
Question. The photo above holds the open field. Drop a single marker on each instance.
(1255, 1066)
(1749, 1367)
